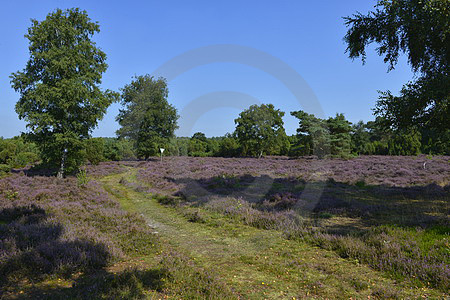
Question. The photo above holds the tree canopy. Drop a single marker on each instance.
(340, 138)
(60, 97)
(260, 130)
(147, 119)
(421, 30)
(313, 134)
(322, 137)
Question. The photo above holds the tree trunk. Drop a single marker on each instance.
(61, 167)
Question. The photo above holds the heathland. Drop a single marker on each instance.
(229, 228)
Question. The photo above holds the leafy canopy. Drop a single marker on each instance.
(313, 134)
(323, 137)
(147, 119)
(259, 129)
(421, 30)
(340, 135)
(60, 97)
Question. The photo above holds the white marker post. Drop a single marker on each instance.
(161, 150)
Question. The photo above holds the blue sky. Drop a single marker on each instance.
(140, 36)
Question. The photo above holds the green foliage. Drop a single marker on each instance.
(313, 134)
(22, 159)
(340, 138)
(405, 143)
(118, 149)
(199, 136)
(198, 147)
(60, 97)
(377, 137)
(228, 146)
(201, 146)
(213, 146)
(421, 30)
(418, 28)
(259, 130)
(147, 119)
(148, 144)
(360, 138)
(17, 153)
(82, 177)
(4, 169)
(321, 137)
(94, 147)
(178, 146)
(435, 142)
(300, 145)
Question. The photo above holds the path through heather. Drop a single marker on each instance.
(254, 263)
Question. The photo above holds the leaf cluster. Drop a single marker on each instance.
(147, 117)
(260, 130)
(60, 96)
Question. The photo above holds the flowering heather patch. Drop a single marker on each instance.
(413, 253)
(396, 250)
(51, 226)
(108, 168)
(399, 171)
(317, 199)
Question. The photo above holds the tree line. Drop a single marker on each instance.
(254, 136)
(61, 99)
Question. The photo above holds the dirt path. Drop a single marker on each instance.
(257, 264)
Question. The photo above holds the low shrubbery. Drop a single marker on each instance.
(418, 255)
(395, 209)
(58, 228)
(17, 153)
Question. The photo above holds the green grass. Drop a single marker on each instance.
(253, 263)
(197, 253)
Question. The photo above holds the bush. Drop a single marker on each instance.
(4, 169)
(118, 149)
(94, 148)
(23, 159)
(17, 153)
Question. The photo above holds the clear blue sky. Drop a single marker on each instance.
(140, 36)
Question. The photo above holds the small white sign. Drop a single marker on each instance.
(161, 149)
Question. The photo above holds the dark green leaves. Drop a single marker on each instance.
(61, 100)
(421, 30)
(323, 137)
(260, 131)
(147, 118)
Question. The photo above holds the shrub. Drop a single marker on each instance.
(82, 177)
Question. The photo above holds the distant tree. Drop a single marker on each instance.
(94, 150)
(199, 136)
(360, 139)
(147, 119)
(182, 145)
(379, 129)
(387, 141)
(197, 147)
(228, 146)
(421, 30)
(259, 130)
(17, 153)
(340, 139)
(295, 147)
(60, 97)
(434, 142)
(213, 146)
(380, 132)
(118, 149)
(313, 134)
(405, 143)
